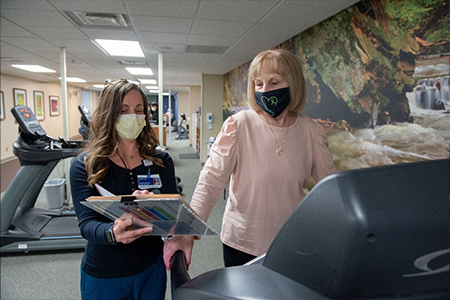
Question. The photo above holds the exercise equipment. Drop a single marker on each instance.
(84, 128)
(23, 227)
(375, 233)
(183, 133)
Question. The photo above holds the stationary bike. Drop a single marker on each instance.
(25, 228)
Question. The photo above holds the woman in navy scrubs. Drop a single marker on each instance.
(121, 261)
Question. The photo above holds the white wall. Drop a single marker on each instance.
(209, 97)
(212, 102)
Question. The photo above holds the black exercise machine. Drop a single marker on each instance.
(23, 227)
(183, 133)
(375, 233)
(84, 128)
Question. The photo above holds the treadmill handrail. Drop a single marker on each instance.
(178, 271)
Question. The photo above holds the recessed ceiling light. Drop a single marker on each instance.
(152, 87)
(140, 71)
(147, 81)
(156, 92)
(73, 79)
(120, 48)
(99, 86)
(34, 68)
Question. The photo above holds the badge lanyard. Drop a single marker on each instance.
(149, 181)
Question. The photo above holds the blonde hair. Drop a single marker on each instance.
(103, 139)
(284, 63)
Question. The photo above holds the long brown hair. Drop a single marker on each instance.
(103, 139)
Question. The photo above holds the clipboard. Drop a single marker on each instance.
(169, 213)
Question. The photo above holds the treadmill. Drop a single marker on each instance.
(25, 228)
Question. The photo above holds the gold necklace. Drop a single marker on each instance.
(132, 156)
(279, 147)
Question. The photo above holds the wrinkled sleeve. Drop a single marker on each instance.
(323, 159)
(216, 171)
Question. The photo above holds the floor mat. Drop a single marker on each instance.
(188, 155)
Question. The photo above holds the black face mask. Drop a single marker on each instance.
(273, 102)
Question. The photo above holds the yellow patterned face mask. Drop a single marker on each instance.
(129, 126)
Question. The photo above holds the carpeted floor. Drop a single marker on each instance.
(56, 275)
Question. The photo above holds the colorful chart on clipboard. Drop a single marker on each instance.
(169, 214)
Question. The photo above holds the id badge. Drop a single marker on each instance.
(150, 181)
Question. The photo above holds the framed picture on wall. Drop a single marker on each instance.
(39, 105)
(20, 97)
(2, 107)
(54, 105)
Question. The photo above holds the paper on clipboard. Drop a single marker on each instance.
(169, 214)
(103, 191)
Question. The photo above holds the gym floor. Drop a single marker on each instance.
(56, 275)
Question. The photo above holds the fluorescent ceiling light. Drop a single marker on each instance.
(156, 92)
(140, 71)
(152, 87)
(120, 48)
(147, 81)
(73, 79)
(99, 86)
(34, 68)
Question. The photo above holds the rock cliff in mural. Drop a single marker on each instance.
(361, 63)
(377, 79)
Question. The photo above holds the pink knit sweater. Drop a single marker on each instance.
(265, 187)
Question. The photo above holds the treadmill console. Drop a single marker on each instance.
(28, 123)
(34, 146)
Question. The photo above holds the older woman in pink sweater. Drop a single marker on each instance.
(267, 153)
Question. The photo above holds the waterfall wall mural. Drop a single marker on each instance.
(377, 78)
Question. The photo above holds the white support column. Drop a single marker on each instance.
(169, 119)
(160, 98)
(65, 115)
(64, 105)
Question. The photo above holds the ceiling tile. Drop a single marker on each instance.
(240, 11)
(162, 38)
(163, 8)
(43, 18)
(220, 28)
(162, 24)
(102, 6)
(214, 40)
(26, 5)
(56, 32)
